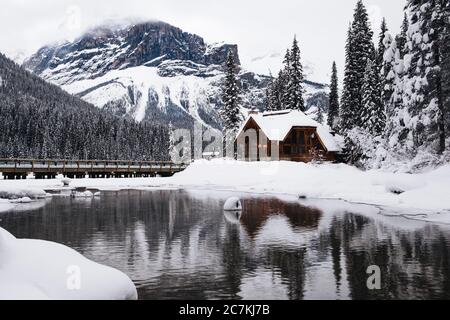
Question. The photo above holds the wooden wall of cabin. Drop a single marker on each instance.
(303, 145)
(296, 147)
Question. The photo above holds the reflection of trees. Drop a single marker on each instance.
(176, 245)
(291, 265)
(414, 265)
(258, 210)
(233, 259)
(335, 243)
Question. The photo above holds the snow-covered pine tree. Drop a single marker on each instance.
(274, 95)
(401, 38)
(348, 100)
(172, 141)
(445, 66)
(423, 111)
(373, 116)
(294, 90)
(359, 50)
(320, 119)
(333, 110)
(380, 74)
(284, 79)
(280, 89)
(231, 97)
(387, 73)
(269, 105)
(381, 45)
(440, 21)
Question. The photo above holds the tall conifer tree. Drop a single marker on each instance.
(360, 49)
(373, 116)
(231, 97)
(295, 82)
(333, 111)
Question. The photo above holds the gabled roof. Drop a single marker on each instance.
(277, 125)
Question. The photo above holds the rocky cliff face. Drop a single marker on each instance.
(150, 71)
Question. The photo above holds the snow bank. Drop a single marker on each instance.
(5, 205)
(427, 191)
(8, 191)
(34, 269)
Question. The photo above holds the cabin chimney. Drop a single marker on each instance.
(253, 112)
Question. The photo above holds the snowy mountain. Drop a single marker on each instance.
(151, 71)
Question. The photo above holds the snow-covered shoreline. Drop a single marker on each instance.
(423, 193)
(42, 270)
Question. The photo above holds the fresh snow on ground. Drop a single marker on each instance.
(34, 269)
(5, 205)
(422, 196)
(425, 192)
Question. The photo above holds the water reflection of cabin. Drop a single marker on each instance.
(299, 138)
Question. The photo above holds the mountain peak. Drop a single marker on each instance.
(151, 71)
(114, 45)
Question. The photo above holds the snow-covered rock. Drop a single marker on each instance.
(233, 204)
(83, 194)
(66, 181)
(22, 200)
(34, 269)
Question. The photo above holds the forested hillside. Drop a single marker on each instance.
(39, 120)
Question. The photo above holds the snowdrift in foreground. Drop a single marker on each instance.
(34, 269)
(421, 193)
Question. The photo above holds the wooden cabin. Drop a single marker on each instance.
(296, 136)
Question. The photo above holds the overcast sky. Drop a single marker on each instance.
(262, 29)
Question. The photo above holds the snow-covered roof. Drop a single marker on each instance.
(277, 125)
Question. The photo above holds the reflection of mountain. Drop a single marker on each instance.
(177, 245)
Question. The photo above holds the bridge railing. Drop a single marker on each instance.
(33, 165)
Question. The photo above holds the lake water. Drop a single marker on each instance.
(181, 245)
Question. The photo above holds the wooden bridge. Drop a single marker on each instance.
(49, 169)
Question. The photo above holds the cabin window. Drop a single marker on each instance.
(247, 147)
(294, 137)
(287, 150)
(302, 138)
